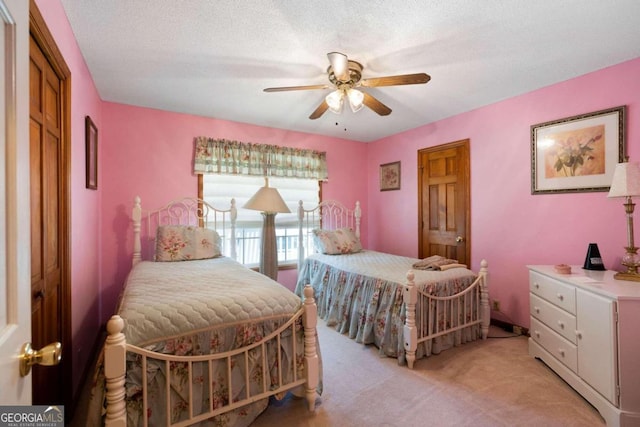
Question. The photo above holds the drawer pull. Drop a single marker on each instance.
(561, 351)
(579, 335)
(561, 324)
(537, 285)
(537, 334)
(537, 309)
(561, 297)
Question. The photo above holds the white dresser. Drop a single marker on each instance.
(586, 327)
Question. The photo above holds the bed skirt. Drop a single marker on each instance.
(370, 310)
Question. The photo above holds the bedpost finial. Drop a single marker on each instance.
(115, 324)
(233, 213)
(410, 276)
(308, 292)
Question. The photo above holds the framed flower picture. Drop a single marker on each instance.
(577, 154)
(390, 176)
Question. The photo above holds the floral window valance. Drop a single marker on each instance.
(222, 156)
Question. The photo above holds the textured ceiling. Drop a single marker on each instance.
(213, 58)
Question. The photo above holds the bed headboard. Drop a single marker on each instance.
(329, 215)
(185, 211)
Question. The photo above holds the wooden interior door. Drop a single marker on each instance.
(50, 287)
(444, 201)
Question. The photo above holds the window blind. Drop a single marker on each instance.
(219, 189)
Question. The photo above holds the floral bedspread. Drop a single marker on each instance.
(203, 307)
(360, 295)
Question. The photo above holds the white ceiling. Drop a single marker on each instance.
(213, 57)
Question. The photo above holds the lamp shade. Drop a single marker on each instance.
(267, 199)
(626, 180)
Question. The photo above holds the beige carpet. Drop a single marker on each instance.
(484, 383)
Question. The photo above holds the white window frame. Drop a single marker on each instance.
(218, 190)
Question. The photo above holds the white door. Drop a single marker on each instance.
(15, 309)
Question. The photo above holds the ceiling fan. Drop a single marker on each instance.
(345, 76)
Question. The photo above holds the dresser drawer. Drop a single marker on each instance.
(554, 317)
(560, 348)
(557, 293)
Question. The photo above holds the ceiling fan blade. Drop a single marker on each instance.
(319, 111)
(405, 79)
(340, 65)
(376, 105)
(286, 88)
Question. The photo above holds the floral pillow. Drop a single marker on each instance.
(186, 242)
(334, 242)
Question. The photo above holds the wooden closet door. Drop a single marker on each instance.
(47, 231)
(444, 201)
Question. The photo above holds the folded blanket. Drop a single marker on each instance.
(435, 262)
(455, 265)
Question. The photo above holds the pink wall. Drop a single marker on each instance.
(511, 227)
(149, 153)
(85, 204)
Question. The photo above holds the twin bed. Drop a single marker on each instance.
(382, 299)
(209, 340)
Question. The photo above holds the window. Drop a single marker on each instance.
(217, 190)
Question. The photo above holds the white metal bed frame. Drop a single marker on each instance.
(196, 211)
(422, 309)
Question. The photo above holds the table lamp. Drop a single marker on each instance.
(269, 202)
(626, 183)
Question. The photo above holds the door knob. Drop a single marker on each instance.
(459, 239)
(48, 356)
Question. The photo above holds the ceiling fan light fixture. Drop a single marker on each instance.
(356, 99)
(335, 101)
(344, 75)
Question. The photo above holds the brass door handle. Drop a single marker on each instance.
(48, 356)
(459, 239)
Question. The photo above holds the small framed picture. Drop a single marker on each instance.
(91, 147)
(577, 154)
(390, 176)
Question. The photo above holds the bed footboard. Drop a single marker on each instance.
(429, 316)
(115, 364)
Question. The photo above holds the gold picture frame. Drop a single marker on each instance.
(91, 147)
(578, 153)
(390, 176)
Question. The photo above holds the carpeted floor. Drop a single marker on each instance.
(484, 383)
